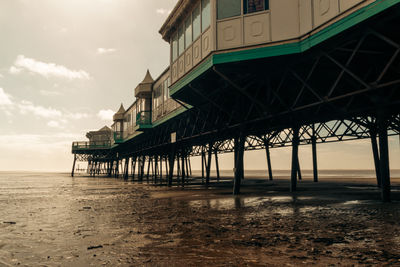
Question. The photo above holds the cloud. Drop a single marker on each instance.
(102, 51)
(5, 99)
(54, 124)
(50, 93)
(163, 11)
(1, 76)
(106, 114)
(77, 116)
(14, 70)
(26, 107)
(46, 69)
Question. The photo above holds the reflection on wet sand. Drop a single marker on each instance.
(51, 219)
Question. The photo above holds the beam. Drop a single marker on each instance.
(239, 155)
(73, 166)
(216, 163)
(384, 158)
(375, 152)
(208, 166)
(295, 159)
(266, 143)
(171, 159)
(314, 157)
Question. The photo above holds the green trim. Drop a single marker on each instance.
(286, 49)
(171, 115)
(203, 67)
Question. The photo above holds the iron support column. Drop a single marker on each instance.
(268, 160)
(295, 159)
(375, 152)
(384, 158)
(73, 166)
(239, 155)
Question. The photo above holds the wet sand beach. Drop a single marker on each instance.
(55, 220)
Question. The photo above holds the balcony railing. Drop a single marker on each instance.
(143, 118)
(118, 137)
(91, 145)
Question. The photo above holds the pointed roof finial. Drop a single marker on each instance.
(120, 113)
(148, 78)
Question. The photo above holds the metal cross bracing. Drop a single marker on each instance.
(347, 88)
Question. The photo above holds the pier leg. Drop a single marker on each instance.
(166, 170)
(216, 164)
(239, 165)
(208, 166)
(117, 168)
(375, 152)
(268, 160)
(148, 169)
(298, 169)
(178, 169)
(203, 156)
(183, 169)
(295, 159)
(111, 163)
(161, 174)
(384, 159)
(126, 169)
(171, 160)
(187, 165)
(190, 167)
(73, 166)
(133, 168)
(155, 169)
(314, 156)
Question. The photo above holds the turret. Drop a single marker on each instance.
(118, 118)
(144, 89)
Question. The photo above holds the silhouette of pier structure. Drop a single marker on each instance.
(258, 74)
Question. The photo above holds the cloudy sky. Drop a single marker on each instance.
(66, 65)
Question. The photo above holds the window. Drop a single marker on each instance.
(205, 14)
(166, 89)
(181, 40)
(158, 96)
(251, 6)
(228, 8)
(188, 32)
(196, 23)
(175, 47)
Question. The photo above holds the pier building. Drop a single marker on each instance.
(260, 74)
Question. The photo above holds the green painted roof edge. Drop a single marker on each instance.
(200, 69)
(171, 116)
(286, 49)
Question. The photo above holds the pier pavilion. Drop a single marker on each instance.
(260, 74)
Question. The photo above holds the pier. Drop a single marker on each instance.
(257, 76)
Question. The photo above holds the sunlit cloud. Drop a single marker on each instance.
(46, 69)
(50, 93)
(54, 124)
(163, 11)
(106, 114)
(5, 99)
(14, 70)
(102, 51)
(27, 107)
(77, 116)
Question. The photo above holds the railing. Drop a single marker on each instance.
(118, 137)
(91, 145)
(143, 118)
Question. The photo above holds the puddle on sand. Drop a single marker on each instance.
(240, 202)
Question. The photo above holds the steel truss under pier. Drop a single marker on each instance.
(346, 88)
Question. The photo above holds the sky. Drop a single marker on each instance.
(67, 65)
